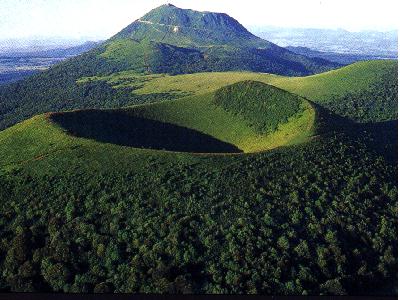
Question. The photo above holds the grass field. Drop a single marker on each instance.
(318, 87)
(376, 79)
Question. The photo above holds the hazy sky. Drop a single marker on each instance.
(99, 19)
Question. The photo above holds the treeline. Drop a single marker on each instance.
(378, 103)
(319, 218)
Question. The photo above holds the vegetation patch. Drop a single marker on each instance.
(263, 107)
(91, 215)
(106, 218)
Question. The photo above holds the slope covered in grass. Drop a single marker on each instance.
(190, 124)
(354, 78)
(364, 91)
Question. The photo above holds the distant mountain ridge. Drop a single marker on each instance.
(61, 51)
(19, 64)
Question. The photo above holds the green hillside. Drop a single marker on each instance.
(191, 124)
(363, 92)
(81, 215)
(371, 96)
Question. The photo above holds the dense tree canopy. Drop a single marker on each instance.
(313, 219)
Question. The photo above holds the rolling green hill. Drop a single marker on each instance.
(371, 96)
(192, 124)
(363, 92)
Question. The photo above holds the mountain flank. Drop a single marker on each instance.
(167, 40)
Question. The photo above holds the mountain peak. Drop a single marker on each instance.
(170, 24)
(169, 14)
(169, 39)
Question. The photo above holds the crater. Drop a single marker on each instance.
(121, 128)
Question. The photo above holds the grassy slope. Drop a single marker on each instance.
(338, 84)
(318, 87)
(58, 90)
(196, 108)
(45, 148)
(35, 137)
(38, 137)
(352, 78)
(200, 113)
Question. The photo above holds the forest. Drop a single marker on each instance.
(325, 225)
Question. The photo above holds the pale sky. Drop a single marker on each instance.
(100, 19)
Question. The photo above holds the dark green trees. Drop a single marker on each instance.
(313, 219)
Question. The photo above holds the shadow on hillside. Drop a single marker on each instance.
(120, 128)
(378, 136)
(382, 137)
(329, 121)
